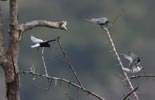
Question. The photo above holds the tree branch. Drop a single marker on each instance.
(70, 98)
(69, 62)
(43, 60)
(142, 76)
(29, 25)
(120, 62)
(31, 72)
(130, 93)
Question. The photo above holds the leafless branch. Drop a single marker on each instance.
(120, 62)
(29, 25)
(130, 93)
(43, 60)
(71, 98)
(142, 76)
(65, 81)
(69, 62)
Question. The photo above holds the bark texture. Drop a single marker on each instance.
(9, 56)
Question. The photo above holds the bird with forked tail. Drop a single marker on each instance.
(40, 43)
(103, 21)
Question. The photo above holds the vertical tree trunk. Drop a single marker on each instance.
(9, 57)
(10, 65)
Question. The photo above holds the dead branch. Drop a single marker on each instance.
(69, 62)
(31, 72)
(130, 93)
(120, 62)
(43, 60)
(29, 25)
(70, 98)
(142, 76)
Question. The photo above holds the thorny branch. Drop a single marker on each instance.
(120, 62)
(31, 72)
(130, 93)
(71, 98)
(142, 76)
(69, 62)
(56, 79)
(43, 59)
(44, 64)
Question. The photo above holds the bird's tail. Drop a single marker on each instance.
(51, 40)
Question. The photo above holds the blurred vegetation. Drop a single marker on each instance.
(87, 46)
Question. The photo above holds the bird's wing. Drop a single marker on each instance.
(103, 18)
(133, 55)
(36, 40)
(128, 57)
(36, 45)
(134, 60)
(103, 21)
(92, 19)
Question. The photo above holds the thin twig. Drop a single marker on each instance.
(71, 98)
(69, 62)
(116, 18)
(130, 93)
(43, 60)
(120, 62)
(142, 76)
(65, 81)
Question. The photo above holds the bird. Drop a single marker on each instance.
(134, 63)
(40, 43)
(103, 21)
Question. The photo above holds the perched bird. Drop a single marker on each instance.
(133, 70)
(134, 63)
(40, 42)
(100, 21)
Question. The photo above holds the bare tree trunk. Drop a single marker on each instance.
(9, 58)
(11, 55)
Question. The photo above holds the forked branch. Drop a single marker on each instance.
(69, 62)
(125, 98)
(65, 81)
(120, 62)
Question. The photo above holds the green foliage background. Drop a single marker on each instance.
(87, 46)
